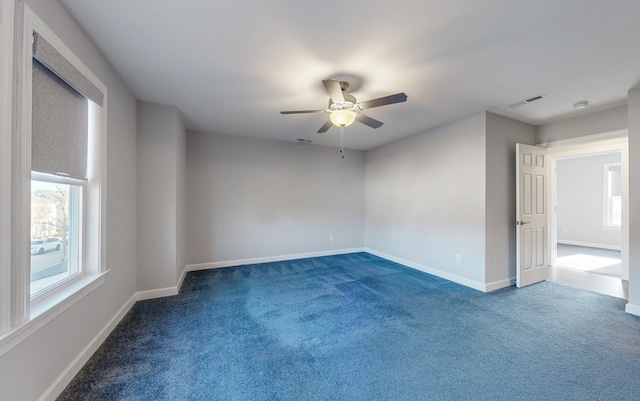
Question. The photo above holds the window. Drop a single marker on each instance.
(612, 195)
(59, 154)
(55, 233)
(55, 177)
(62, 130)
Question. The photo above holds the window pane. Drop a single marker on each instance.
(614, 180)
(612, 195)
(615, 218)
(55, 233)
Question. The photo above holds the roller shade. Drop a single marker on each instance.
(49, 57)
(60, 121)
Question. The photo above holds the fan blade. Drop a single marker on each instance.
(334, 90)
(383, 101)
(302, 111)
(373, 123)
(325, 127)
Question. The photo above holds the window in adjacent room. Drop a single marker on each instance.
(612, 195)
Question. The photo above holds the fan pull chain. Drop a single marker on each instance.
(342, 142)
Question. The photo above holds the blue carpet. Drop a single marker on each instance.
(357, 327)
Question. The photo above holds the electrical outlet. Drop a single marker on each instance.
(458, 258)
(331, 238)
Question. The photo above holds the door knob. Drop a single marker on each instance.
(522, 223)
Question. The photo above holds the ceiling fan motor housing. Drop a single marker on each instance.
(348, 104)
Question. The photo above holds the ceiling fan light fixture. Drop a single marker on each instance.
(342, 118)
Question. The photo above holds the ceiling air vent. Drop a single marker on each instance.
(304, 141)
(527, 101)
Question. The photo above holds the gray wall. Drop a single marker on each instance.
(580, 201)
(581, 124)
(29, 368)
(634, 200)
(252, 198)
(500, 232)
(425, 198)
(161, 139)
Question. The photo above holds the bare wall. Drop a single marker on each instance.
(583, 123)
(253, 198)
(425, 199)
(160, 177)
(502, 135)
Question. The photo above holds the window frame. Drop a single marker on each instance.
(7, 13)
(20, 315)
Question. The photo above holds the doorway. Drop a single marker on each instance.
(589, 223)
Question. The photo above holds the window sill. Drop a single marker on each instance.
(613, 228)
(49, 307)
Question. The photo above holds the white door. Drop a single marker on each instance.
(531, 215)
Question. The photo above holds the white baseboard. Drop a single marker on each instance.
(590, 245)
(497, 285)
(484, 287)
(162, 292)
(632, 309)
(181, 279)
(56, 388)
(266, 259)
(157, 293)
(170, 291)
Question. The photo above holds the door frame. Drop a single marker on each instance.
(583, 146)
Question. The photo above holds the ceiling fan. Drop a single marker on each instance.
(344, 109)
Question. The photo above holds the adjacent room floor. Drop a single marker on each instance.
(592, 269)
(593, 260)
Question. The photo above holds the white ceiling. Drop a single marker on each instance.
(230, 66)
